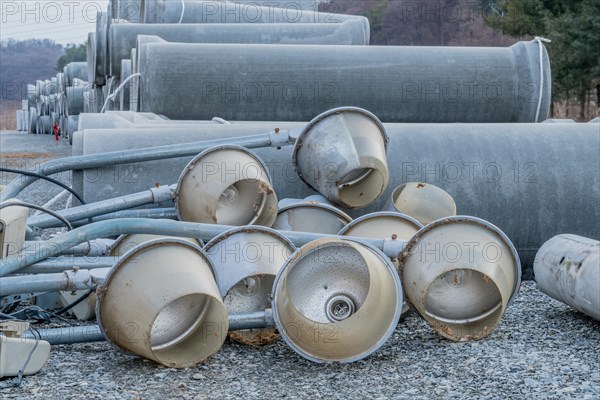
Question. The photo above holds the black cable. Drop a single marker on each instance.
(11, 307)
(47, 178)
(6, 316)
(22, 370)
(40, 208)
(27, 313)
(73, 304)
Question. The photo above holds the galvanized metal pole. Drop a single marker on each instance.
(68, 280)
(61, 264)
(155, 195)
(92, 248)
(276, 139)
(204, 232)
(157, 213)
(92, 333)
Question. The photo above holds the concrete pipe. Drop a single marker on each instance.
(91, 56)
(75, 100)
(31, 96)
(134, 84)
(293, 5)
(507, 174)
(310, 216)
(38, 88)
(54, 119)
(398, 84)
(176, 314)
(43, 105)
(423, 201)
(60, 79)
(567, 268)
(127, 10)
(203, 12)
(44, 125)
(246, 261)
(122, 37)
(87, 95)
(112, 83)
(52, 104)
(226, 185)
(93, 100)
(20, 120)
(333, 286)
(124, 95)
(460, 274)
(63, 122)
(33, 117)
(134, 87)
(72, 122)
(101, 58)
(108, 121)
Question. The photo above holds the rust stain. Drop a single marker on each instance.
(262, 188)
(447, 330)
(255, 338)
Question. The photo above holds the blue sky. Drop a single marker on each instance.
(64, 21)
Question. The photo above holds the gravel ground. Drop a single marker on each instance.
(542, 350)
(24, 152)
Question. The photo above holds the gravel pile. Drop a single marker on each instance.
(542, 350)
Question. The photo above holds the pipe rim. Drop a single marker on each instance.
(488, 225)
(321, 117)
(379, 214)
(320, 206)
(384, 338)
(101, 291)
(190, 167)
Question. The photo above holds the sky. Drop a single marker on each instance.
(64, 21)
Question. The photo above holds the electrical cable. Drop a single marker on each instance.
(74, 303)
(40, 208)
(47, 178)
(6, 316)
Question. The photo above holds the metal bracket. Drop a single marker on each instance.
(162, 194)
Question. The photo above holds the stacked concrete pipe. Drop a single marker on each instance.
(122, 37)
(219, 12)
(398, 84)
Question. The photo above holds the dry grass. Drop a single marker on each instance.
(8, 114)
(570, 109)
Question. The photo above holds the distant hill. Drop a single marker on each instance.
(24, 62)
